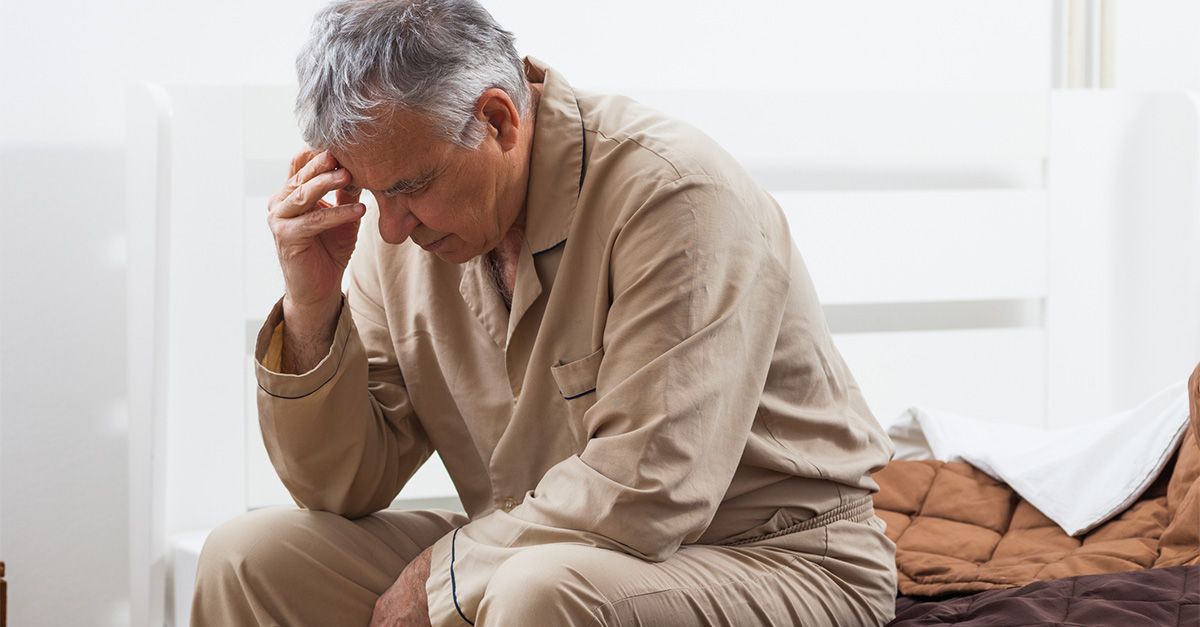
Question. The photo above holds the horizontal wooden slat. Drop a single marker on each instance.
(998, 375)
(873, 247)
(972, 314)
(789, 127)
(902, 174)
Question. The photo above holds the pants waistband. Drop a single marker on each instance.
(859, 510)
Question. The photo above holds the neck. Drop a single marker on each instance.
(505, 255)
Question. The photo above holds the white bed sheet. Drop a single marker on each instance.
(1078, 477)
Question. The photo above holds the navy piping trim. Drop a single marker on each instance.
(571, 398)
(550, 249)
(453, 584)
(583, 164)
(337, 369)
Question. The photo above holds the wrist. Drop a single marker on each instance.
(308, 333)
(312, 319)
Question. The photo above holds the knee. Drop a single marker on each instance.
(543, 585)
(259, 545)
(535, 574)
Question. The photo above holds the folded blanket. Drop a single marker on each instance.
(1056, 471)
(957, 530)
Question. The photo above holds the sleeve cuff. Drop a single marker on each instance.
(268, 351)
(440, 588)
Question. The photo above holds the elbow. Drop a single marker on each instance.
(345, 501)
(343, 508)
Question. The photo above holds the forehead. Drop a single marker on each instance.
(404, 146)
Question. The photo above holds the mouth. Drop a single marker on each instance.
(434, 245)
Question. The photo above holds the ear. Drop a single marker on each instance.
(495, 109)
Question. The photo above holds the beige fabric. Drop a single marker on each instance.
(283, 566)
(665, 376)
(322, 569)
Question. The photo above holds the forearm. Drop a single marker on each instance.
(341, 439)
(308, 332)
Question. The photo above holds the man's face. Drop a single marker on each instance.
(455, 203)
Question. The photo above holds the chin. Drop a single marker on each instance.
(457, 256)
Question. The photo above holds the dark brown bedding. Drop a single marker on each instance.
(1156, 597)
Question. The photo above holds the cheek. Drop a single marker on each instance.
(433, 210)
(467, 210)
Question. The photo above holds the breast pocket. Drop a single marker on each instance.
(577, 384)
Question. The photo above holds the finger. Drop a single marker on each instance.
(316, 222)
(307, 197)
(299, 159)
(319, 163)
(276, 207)
(344, 197)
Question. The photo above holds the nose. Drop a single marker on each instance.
(396, 222)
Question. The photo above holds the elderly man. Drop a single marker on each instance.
(594, 316)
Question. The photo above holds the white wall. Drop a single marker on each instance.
(1156, 44)
(63, 443)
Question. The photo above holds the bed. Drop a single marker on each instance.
(972, 551)
(1024, 258)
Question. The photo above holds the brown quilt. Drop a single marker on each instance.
(959, 531)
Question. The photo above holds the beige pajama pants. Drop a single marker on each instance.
(295, 567)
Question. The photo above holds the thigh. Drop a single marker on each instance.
(793, 580)
(284, 566)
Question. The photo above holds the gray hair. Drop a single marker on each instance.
(366, 59)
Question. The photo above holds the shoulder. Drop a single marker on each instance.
(624, 130)
(646, 167)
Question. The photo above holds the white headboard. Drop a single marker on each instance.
(1026, 257)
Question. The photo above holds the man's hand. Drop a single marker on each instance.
(404, 604)
(314, 240)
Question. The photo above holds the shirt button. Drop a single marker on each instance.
(509, 504)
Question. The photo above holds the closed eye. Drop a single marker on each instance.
(404, 191)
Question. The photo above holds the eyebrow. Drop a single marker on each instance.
(403, 185)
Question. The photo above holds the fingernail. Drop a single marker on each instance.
(360, 208)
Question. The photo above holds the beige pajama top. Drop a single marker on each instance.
(665, 375)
